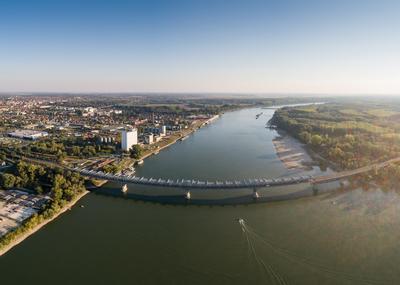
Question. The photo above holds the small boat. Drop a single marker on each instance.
(242, 224)
(140, 162)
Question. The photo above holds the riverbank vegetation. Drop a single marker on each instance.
(348, 135)
(62, 186)
(136, 152)
(70, 146)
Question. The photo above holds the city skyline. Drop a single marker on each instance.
(340, 47)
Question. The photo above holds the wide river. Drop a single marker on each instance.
(339, 237)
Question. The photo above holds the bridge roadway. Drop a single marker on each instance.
(248, 183)
(348, 173)
(183, 183)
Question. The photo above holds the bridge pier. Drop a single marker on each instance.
(124, 188)
(255, 194)
(188, 196)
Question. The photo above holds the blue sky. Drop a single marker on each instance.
(241, 46)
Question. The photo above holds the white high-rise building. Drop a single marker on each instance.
(129, 138)
(163, 130)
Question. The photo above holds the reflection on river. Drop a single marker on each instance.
(339, 237)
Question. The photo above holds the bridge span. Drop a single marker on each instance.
(185, 183)
(229, 184)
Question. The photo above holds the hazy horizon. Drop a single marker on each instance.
(207, 95)
(334, 48)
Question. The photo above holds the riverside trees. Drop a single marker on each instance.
(67, 146)
(349, 135)
(136, 152)
(25, 175)
(61, 185)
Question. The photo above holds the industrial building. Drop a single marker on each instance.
(28, 134)
(162, 131)
(129, 138)
(149, 138)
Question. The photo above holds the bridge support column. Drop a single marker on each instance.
(188, 196)
(124, 188)
(255, 194)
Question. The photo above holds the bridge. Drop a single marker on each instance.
(229, 184)
(185, 183)
(345, 174)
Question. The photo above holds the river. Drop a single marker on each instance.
(339, 237)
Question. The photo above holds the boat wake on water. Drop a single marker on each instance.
(253, 239)
(274, 276)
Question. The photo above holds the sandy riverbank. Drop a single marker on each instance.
(291, 152)
(38, 227)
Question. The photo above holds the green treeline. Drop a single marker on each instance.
(136, 151)
(39, 179)
(61, 186)
(68, 146)
(351, 136)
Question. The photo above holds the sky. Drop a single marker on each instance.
(238, 46)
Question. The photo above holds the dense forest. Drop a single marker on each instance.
(348, 135)
(61, 185)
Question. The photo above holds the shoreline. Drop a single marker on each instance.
(24, 236)
(96, 183)
(291, 152)
(192, 130)
(295, 155)
(183, 135)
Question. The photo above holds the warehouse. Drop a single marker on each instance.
(28, 134)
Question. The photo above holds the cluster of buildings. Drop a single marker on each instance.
(110, 121)
(130, 137)
(16, 206)
(106, 139)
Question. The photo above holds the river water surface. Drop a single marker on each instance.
(340, 237)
